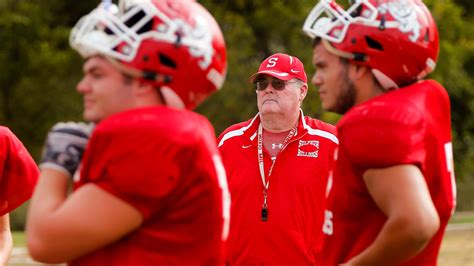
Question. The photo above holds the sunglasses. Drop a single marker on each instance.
(276, 84)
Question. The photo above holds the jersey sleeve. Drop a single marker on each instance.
(144, 168)
(383, 136)
(139, 172)
(18, 172)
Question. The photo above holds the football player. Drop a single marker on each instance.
(151, 188)
(19, 174)
(392, 191)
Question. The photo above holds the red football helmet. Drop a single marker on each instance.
(174, 44)
(397, 39)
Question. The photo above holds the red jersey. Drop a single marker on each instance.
(296, 193)
(165, 163)
(411, 125)
(19, 172)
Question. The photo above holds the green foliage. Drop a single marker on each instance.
(19, 239)
(39, 71)
(462, 217)
(38, 78)
(455, 70)
(17, 218)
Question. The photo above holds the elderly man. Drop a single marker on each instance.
(277, 165)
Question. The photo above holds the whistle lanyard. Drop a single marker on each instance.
(266, 182)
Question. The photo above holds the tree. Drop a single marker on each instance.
(455, 70)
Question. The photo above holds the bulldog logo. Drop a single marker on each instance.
(308, 148)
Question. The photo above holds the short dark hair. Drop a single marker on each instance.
(316, 41)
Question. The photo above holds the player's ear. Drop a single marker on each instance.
(142, 86)
(359, 71)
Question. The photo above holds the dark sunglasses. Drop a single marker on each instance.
(276, 84)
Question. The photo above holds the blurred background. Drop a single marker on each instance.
(39, 71)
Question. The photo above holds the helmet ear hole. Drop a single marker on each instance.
(166, 61)
(373, 43)
(427, 35)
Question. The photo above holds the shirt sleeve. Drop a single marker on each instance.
(19, 172)
(384, 137)
(137, 167)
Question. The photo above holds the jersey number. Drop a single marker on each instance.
(448, 150)
(328, 225)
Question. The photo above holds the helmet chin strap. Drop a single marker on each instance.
(384, 81)
(170, 98)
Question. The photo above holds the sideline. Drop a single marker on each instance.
(20, 256)
(460, 227)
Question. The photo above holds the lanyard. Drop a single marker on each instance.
(266, 183)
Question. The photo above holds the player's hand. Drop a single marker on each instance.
(65, 145)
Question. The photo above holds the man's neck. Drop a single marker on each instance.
(277, 123)
(367, 88)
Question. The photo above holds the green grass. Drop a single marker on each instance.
(19, 239)
(462, 217)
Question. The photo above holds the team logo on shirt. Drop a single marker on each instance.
(277, 145)
(308, 148)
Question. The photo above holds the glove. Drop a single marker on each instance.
(65, 145)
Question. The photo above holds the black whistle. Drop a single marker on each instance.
(264, 214)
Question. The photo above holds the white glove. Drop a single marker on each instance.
(65, 145)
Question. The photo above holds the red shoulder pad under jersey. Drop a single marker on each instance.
(142, 155)
(18, 172)
(383, 132)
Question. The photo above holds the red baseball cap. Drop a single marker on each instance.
(281, 66)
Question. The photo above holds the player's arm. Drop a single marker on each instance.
(61, 228)
(402, 194)
(6, 242)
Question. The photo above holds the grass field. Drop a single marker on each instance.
(457, 248)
